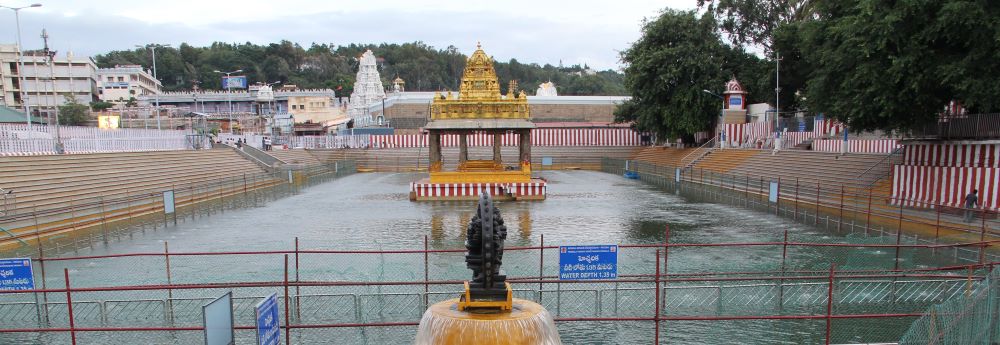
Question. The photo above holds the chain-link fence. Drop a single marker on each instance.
(378, 296)
(967, 318)
(843, 209)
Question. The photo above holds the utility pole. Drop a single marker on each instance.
(20, 63)
(777, 96)
(51, 54)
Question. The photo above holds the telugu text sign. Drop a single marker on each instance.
(16, 274)
(268, 325)
(588, 262)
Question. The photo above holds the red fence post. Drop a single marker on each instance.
(982, 236)
(426, 271)
(288, 325)
(666, 272)
(41, 262)
(170, 292)
(656, 319)
(541, 265)
(298, 310)
(781, 286)
(829, 304)
(69, 307)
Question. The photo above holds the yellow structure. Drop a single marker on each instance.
(467, 302)
(479, 107)
(527, 323)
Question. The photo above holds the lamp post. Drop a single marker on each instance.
(722, 140)
(20, 61)
(229, 96)
(152, 47)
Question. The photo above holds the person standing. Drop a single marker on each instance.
(971, 201)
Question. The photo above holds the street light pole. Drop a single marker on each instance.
(777, 96)
(156, 95)
(20, 62)
(229, 96)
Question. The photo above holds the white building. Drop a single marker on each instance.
(368, 90)
(123, 82)
(9, 91)
(74, 76)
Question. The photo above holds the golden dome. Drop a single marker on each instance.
(479, 80)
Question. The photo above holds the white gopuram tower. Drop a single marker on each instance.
(368, 90)
(547, 89)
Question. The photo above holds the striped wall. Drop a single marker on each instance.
(445, 190)
(857, 145)
(825, 127)
(952, 155)
(746, 134)
(539, 137)
(927, 186)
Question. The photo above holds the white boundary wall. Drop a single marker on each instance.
(18, 139)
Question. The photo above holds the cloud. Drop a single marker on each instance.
(577, 36)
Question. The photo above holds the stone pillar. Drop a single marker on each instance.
(434, 152)
(497, 141)
(524, 145)
(463, 148)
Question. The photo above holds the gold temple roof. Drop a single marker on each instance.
(479, 95)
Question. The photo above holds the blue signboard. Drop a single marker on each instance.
(15, 274)
(735, 100)
(234, 82)
(268, 325)
(546, 161)
(802, 126)
(588, 262)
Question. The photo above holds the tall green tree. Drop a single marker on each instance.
(893, 65)
(680, 54)
(73, 113)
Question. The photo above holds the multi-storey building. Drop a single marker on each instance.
(122, 83)
(45, 86)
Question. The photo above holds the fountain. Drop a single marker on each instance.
(486, 313)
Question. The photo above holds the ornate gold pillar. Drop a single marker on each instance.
(497, 138)
(463, 148)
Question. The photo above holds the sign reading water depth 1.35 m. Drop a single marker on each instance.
(588, 262)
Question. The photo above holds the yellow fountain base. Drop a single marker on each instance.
(528, 323)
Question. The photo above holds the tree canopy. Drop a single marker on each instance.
(679, 55)
(423, 67)
(893, 65)
(872, 64)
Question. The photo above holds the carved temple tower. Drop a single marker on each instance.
(368, 90)
(480, 109)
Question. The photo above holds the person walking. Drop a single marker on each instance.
(971, 201)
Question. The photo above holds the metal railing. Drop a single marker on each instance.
(887, 162)
(699, 152)
(964, 126)
(158, 297)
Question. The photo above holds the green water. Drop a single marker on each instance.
(371, 211)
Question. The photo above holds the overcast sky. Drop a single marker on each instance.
(578, 31)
